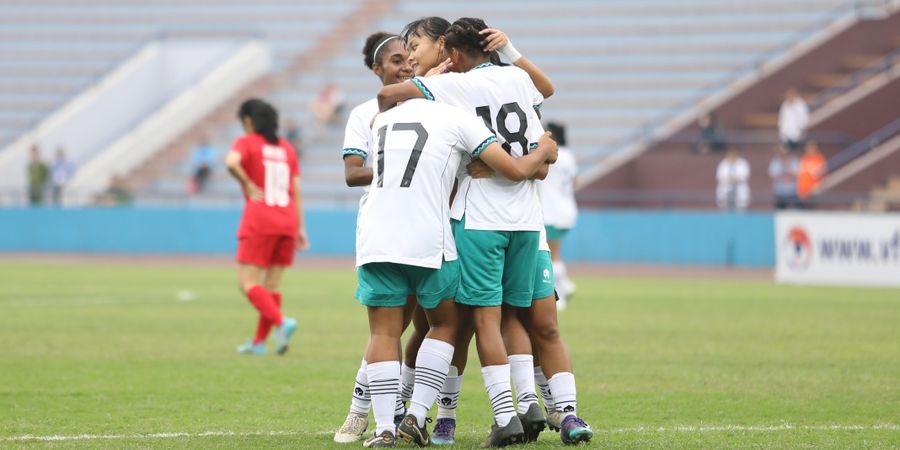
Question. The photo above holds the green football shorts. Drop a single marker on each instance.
(388, 284)
(496, 266)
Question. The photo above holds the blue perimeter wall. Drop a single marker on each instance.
(651, 237)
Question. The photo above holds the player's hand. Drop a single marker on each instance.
(253, 191)
(478, 169)
(440, 68)
(546, 141)
(494, 39)
(302, 240)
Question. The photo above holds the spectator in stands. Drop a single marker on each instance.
(60, 174)
(711, 137)
(203, 157)
(783, 170)
(813, 166)
(793, 118)
(117, 193)
(733, 189)
(38, 174)
(292, 134)
(326, 107)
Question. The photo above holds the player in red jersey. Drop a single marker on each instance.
(271, 228)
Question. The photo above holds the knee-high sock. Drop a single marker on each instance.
(522, 370)
(496, 383)
(265, 325)
(384, 379)
(263, 301)
(448, 397)
(432, 365)
(361, 400)
(562, 385)
(541, 381)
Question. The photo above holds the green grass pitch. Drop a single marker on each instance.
(120, 356)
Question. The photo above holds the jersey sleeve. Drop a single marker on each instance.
(474, 136)
(441, 87)
(357, 136)
(241, 146)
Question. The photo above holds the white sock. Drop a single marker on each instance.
(521, 368)
(562, 385)
(361, 400)
(407, 380)
(448, 398)
(559, 272)
(496, 383)
(541, 381)
(384, 379)
(432, 365)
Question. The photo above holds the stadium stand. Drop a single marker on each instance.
(617, 67)
(620, 67)
(849, 81)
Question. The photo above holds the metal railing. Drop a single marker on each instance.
(858, 77)
(864, 145)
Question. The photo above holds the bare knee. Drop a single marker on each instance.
(545, 330)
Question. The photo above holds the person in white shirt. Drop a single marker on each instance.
(560, 210)
(405, 246)
(385, 55)
(733, 189)
(793, 118)
(491, 214)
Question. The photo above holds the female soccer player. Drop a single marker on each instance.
(560, 209)
(271, 227)
(465, 55)
(405, 246)
(385, 55)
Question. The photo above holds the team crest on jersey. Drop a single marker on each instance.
(546, 275)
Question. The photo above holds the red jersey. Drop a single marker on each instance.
(272, 168)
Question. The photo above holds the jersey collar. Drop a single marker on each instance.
(482, 65)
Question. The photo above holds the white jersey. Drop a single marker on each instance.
(558, 191)
(505, 99)
(358, 135)
(406, 218)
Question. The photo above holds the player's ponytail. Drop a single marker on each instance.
(263, 116)
(464, 36)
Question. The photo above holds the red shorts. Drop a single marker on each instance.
(267, 251)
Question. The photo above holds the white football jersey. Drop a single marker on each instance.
(358, 135)
(558, 192)
(504, 98)
(406, 218)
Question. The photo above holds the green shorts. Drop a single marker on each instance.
(544, 284)
(497, 266)
(555, 234)
(388, 284)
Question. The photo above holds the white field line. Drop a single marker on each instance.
(642, 429)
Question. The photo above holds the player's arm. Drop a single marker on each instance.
(302, 239)
(390, 95)
(355, 171)
(478, 169)
(495, 39)
(233, 163)
(518, 169)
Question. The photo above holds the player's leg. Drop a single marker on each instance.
(556, 365)
(519, 281)
(481, 254)
(564, 285)
(254, 258)
(382, 288)
(271, 281)
(413, 342)
(282, 256)
(435, 290)
(448, 397)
